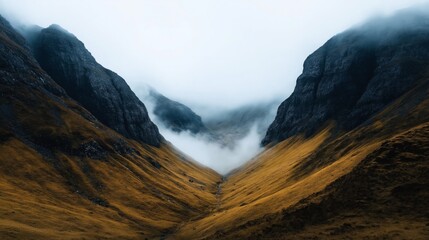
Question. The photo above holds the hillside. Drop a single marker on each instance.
(331, 187)
(344, 160)
(65, 175)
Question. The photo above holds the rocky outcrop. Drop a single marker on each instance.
(17, 65)
(101, 91)
(354, 76)
(175, 115)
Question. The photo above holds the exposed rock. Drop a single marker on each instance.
(121, 147)
(153, 162)
(92, 149)
(17, 65)
(355, 75)
(25, 91)
(105, 94)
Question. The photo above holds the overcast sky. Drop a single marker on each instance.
(219, 52)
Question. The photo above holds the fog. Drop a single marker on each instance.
(240, 139)
(212, 56)
(219, 158)
(217, 53)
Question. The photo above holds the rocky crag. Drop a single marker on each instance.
(355, 75)
(104, 93)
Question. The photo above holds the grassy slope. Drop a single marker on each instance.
(64, 175)
(54, 185)
(300, 188)
(284, 192)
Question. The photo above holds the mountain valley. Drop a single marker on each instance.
(346, 156)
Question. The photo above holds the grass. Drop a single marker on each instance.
(50, 191)
(300, 188)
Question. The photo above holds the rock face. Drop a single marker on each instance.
(101, 91)
(56, 155)
(355, 75)
(175, 115)
(17, 66)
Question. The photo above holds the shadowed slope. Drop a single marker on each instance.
(64, 175)
(333, 185)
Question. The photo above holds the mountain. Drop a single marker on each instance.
(226, 128)
(346, 156)
(66, 175)
(354, 76)
(176, 116)
(101, 91)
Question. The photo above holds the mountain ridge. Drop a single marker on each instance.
(101, 91)
(346, 79)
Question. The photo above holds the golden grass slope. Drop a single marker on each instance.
(49, 190)
(268, 186)
(314, 188)
(332, 185)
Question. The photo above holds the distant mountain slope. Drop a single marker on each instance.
(105, 94)
(224, 127)
(65, 175)
(355, 75)
(176, 116)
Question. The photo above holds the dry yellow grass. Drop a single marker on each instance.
(44, 198)
(36, 201)
(267, 186)
(49, 191)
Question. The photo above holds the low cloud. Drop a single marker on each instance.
(222, 159)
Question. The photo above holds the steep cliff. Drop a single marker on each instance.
(101, 91)
(355, 75)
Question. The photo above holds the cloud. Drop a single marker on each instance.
(214, 53)
(212, 154)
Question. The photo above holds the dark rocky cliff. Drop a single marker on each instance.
(17, 66)
(354, 76)
(101, 91)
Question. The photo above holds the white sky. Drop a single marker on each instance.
(216, 53)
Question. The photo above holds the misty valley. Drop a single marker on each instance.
(90, 153)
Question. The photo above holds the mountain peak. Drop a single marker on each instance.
(353, 76)
(104, 93)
